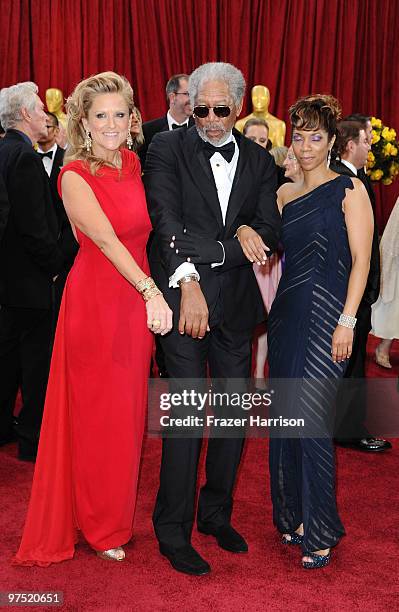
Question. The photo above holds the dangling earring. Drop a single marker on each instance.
(328, 158)
(88, 141)
(129, 139)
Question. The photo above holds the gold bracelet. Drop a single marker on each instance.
(147, 288)
(145, 283)
(148, 294)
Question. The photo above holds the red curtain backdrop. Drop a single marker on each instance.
(295, 47)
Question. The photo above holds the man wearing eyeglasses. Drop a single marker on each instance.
(179, 114)
(47, 144)
(52, 156)
(212, 201)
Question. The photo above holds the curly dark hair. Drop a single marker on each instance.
(318, 111)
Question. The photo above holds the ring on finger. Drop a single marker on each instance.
(156, 323)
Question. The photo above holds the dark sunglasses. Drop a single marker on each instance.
(203, 111)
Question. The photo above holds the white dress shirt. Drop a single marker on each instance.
(349, 165)
(223, 173)
(47, 162)
(172, 121)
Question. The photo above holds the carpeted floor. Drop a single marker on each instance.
(363, 574)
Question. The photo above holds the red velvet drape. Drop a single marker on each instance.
(295, 47)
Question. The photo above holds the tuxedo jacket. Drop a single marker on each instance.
(372, 290)
(181, 194)
(30, 255)
(55, 171)
(150, 128)
(67, 240)
(4, 207)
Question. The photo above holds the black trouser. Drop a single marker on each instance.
(351, 407)
(228, 354)
(25, 340)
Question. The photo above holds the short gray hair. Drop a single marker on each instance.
(217, 71)
(13, 99)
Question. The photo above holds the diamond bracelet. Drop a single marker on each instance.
(347, 321)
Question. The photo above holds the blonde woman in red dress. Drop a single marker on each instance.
(90, 444)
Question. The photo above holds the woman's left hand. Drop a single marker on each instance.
(252, 245)
(342, 342)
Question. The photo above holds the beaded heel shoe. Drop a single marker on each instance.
(293, 538)
(317, 562)
(112, 554)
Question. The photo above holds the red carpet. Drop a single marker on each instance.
(363, 573)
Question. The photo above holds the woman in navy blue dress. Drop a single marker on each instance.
(327, 230)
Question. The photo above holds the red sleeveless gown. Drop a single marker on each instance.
(90, 444)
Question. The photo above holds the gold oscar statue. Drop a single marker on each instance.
(260, 103)
(54, 103)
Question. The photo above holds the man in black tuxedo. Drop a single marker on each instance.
(179, 114)
(30, 260)
(52, 156)
(353, 144)
(204, 186)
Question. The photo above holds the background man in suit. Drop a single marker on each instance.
(7, 433)
(353, 145)
(179, 113)
(30, 259)
(53, 157)
(204, 185)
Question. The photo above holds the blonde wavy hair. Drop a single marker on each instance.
(78, 105)
(279, 154)
(138, 141)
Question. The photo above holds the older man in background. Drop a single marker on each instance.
(30, 260)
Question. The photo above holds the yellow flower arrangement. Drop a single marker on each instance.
(383, 159)
(370, 159)
(388, 134)
(376, 122)
(376, 137)
(376, 175)
(394, 169)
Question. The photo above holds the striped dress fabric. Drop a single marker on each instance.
(304, 315)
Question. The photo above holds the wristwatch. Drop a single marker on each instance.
(187, 278)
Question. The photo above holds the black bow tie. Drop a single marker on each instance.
(49, 154)
(226, 150)
(176, 126)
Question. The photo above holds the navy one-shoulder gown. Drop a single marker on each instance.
(302, 320)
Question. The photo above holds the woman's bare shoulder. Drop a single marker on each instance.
(286, 193)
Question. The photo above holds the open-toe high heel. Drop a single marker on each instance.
(317, 562)
(292, 538)
(112, 554)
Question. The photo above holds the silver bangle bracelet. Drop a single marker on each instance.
(347, 321)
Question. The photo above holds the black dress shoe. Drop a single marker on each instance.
(227, 538)
(186, 560)
(27, 450)
(367, 445)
